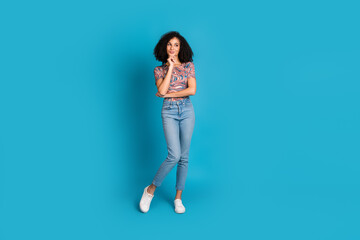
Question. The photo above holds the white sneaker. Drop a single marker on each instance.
(179, 207)
(145, 200)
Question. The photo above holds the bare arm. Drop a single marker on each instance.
(182, 93)
(190, 90)
(164, 83)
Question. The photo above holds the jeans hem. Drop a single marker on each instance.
(153, 182)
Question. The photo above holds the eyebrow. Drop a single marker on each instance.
(175, 43)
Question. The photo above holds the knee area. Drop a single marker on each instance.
(184, 158)
(183, 161)
(174, 157)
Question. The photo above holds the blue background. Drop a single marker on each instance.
(275, 149)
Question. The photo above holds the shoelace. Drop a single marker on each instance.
(179, 204)
(148, 198)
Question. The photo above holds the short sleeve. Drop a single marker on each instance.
(191, 70)
(158, 73)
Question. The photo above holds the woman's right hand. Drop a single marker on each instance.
(171, 60)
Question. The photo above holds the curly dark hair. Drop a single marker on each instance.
(185, 52)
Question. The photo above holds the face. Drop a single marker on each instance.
(173, 47)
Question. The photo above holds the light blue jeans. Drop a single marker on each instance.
(178, 118)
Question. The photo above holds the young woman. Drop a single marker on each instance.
(175, 82)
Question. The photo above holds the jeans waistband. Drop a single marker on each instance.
(177, 102)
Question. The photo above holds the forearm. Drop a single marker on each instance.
(164, 85)
(183, 93)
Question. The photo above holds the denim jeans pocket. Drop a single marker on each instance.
(166, 106)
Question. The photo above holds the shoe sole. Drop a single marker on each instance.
(179, 212)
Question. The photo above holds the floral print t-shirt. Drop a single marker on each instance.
(179, 77)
